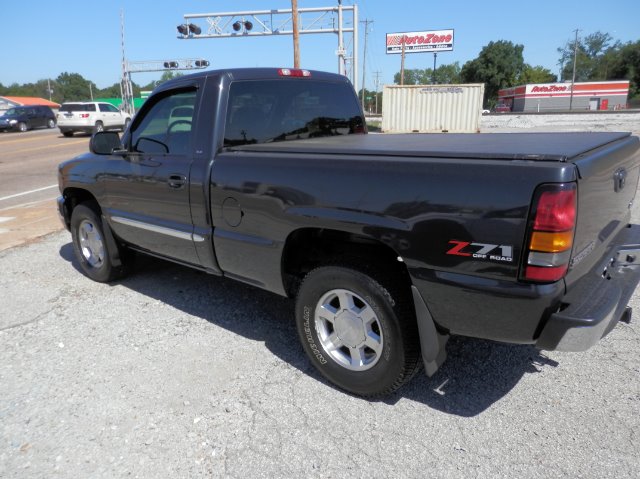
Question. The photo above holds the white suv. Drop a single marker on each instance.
(90, 116)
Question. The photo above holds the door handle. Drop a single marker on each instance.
(177, 181)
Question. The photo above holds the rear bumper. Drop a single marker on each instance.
(598, 301)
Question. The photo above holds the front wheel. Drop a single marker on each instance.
(51, 123)
(22, 127)
(358, 335)
(90, 245)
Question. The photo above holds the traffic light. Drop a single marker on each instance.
(171, 64)
(186, 29)
(202, 63)
(239, 24)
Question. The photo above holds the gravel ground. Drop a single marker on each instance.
(173, 373)
(629, 121)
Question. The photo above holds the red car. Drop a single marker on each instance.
(502, 108)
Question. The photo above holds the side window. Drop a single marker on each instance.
(112, 109)
(91, 107)
(166, 126)
(103, 107)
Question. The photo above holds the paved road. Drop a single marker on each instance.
(173, 373)
(29, 183)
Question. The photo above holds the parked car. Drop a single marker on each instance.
(502, 108)
(90, 117)
(23, 118)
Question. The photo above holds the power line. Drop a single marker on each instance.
(377, 84)
(364, 55)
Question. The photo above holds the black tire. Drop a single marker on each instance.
(51, 123)
(370, 350)
(98, 127)
(90, 245)
(22, 127)
(68, 134)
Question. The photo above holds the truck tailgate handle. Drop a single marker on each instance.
(177, 181)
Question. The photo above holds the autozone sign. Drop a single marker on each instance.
(419, 42)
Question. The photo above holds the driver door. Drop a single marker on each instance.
(147, 193)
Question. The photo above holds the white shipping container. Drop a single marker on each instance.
(432, 108)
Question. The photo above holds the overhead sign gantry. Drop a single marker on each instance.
(339, 20)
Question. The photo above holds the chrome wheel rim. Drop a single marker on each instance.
(349, 330)
(91, 244)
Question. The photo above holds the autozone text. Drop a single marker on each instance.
(419, 39)
(482, 251)
(549, 89)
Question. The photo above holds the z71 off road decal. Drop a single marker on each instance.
(481, 251)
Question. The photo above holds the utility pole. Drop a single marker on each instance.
(377, 83)
(575, 58)
(402, 63)
(296, 34)
(364, 57)
(433, 77)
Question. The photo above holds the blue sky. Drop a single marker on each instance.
(84, 37)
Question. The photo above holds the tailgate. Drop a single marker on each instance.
(607, 184)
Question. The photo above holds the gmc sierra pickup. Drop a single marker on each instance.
(388, 243)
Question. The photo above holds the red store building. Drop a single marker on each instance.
(600, 95)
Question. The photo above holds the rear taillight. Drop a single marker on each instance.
(84, 115)
(551, 229)
(293, 72)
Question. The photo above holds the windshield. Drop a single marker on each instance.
(78, 107)
(15, 111)
(262, 111)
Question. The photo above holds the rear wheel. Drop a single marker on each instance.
(67, 133)
(359, 336)
(90, 245)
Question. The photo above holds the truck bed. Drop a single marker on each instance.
(504, 146)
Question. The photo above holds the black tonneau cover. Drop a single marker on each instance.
(506, 146)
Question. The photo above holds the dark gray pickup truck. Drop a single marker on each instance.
(389, 243)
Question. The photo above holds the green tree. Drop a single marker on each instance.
(499, 65)
(593, 57)
(626, 65)
(72, 87)
(445, 74)
(370, 100)
(536, 74)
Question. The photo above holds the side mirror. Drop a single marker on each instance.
(104, 142)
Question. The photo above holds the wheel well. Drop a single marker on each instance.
(308, 249)
(75, 196)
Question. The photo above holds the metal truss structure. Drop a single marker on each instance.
(339, 20)
(166, 65)
(153, 66)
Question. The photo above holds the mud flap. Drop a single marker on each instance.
(432, 343)
(112, 246)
